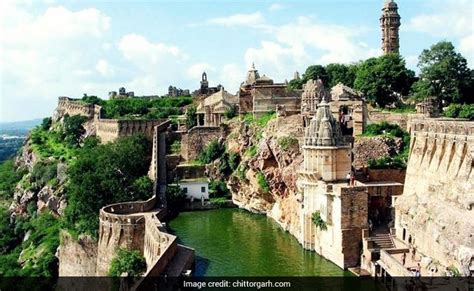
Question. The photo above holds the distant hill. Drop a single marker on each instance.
(12, 135)
(20, 125)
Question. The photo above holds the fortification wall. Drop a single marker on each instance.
(401, 119)
(77, 257)
(111, 129)
(436, 211)
(197, 138)
(71, 107)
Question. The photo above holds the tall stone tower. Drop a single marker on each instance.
(390, 23)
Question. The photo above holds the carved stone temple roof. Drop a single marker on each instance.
(323, 129)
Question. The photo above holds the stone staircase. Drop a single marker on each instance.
(382, 241)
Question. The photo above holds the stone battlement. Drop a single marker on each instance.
(106, 129)
(438, 195)
(135, 226)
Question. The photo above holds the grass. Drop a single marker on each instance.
(262, 182)
(48, 144)
(287, 142)
(251, 151)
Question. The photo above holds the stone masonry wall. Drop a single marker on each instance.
(436, 209)
(197, 138)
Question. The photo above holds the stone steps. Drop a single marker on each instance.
(382, 241)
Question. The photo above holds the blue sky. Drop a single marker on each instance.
(66, 48)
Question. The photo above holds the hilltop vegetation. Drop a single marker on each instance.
(140, 107)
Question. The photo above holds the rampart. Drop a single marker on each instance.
(106, 129)
(134, 226)
(435, 212)
(401, 119)
(71, 107)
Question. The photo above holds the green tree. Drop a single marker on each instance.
(212, 151)
(382, 80)
(103, 175)
(191, 117)
(316, 72)
(130, 262)
(444, 74)
(340, 73)
(73, 129)
(46, 123)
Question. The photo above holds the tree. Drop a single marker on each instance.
(73, 129)
(191, 116)
(130, 262)
(444, 74)
(316, 72)
(103, 175)
(382, 80)
(340, 73)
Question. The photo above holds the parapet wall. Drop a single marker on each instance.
(436, 211)
(71, 107)
(110, 129)
(106, 129)
(134, 226)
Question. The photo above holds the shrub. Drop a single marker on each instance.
(43, 172)
(251, 151)
(46, 123)
(231, 112)
(287, 142)
(318, 221)
(175, 197)
(191, 117)
(241, 171)
(234, 160)
(218, 188)
(384, 128)
(9, 177)
(262, 182)
(130, 262)
(212, 151)
(219, 202)
(459, 111)
(175, 147)
(263, 120)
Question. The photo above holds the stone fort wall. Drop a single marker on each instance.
(197, 138)
(436, 210)
(134, 226)
(106, 129)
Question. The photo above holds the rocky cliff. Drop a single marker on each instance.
(266, 179)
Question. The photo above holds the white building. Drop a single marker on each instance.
(195, 188)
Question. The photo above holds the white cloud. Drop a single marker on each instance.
(252, 20)
(304, 42)
(45, 55)
(231, 75)
(276, 6)
(157, 65)
(194, 72)
(466, 47)
(138, 49)
(449, 19)
(104, 68)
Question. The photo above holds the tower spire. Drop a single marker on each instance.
(390, 23)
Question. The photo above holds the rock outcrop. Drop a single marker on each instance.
(273, 153)
(367, 148)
